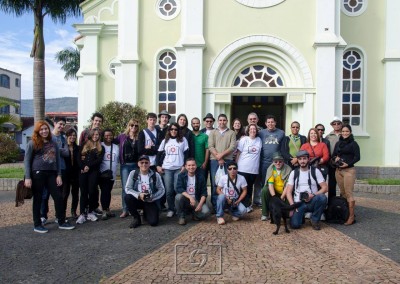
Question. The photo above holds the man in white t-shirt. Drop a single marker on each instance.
(231, 190)
(191, 192)
(149, 140)
(302, 181)
(110, 161)
(143, 189)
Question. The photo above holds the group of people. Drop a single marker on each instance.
(166, 166)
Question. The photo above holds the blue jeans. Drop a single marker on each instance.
(214, 165)
(170, 180)
(316, 206)
(125, 170)
(237, 211)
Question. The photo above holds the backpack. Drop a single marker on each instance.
(153, 178)
(313, 174)
(337, 211)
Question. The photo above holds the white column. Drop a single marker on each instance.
(325, 44)
(392, 84)
(126, 73)
(88, 72)
(190, 59)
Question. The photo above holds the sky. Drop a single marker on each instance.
(16, 36)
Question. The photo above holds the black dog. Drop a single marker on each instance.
(279, 209)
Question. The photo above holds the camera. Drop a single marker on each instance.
(233, 201)
(147, 196)
(339, 163)
(304, 196)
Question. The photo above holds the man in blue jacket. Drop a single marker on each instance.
(191, 195)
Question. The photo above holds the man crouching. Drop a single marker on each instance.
(231, 190)
(191, 195)
(143, 190)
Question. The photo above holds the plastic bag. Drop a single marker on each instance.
(220, 172)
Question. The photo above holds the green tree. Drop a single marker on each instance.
(9, 118)
(58, 11)
(69, 58)
(9, 150)
(117, 115)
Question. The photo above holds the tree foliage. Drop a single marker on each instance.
(9, 118)
(69, 58)
(117, 115)
(9, 150)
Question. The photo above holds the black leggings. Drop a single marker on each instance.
(89, 192)
(250, 179)
(106, 185)
(41, 180)
(71, 184)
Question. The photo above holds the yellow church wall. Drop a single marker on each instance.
(364, 32)
(106, 84)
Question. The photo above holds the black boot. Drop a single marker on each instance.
(136, 222)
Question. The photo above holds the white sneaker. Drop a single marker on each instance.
(264, 218)
(81, 219)
(91, 216)
(307, 215)
(234, 218)
(170, 214)
(323, 217)
(249, 209)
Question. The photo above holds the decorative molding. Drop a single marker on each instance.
(259, 3)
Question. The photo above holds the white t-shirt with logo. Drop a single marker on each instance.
(105, 164)
(174, 153)
(230, 191)
(144, 183)
(191, 186)
(303, 183)
(249, 159)
(149, 142)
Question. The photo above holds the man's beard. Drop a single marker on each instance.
(196, 128)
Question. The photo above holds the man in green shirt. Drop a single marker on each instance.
(201, 153)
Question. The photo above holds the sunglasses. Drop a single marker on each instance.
(319, 129)
(144, 163)
(134, 125)
(336, 123)
(232, 168)
(209, 121)
(173, 129)
(295, 127)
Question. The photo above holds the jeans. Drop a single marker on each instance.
(41, 180)
(183, 207)
(237, 211)
(214, 165)
(250, 179)
(316, 206)
(170, 180)
(150, 209)
(125, 170)
(106, 186)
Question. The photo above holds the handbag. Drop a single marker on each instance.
(22, 192)
(108, 174)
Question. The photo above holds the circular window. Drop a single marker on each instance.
(354, 8)
(260, 3)
(168, 9)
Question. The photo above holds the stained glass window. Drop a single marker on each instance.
(168, 9)
(354, 7)
(258, 76)
(167, 83)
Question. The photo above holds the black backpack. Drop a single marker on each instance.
(313, 175)
(337, 211)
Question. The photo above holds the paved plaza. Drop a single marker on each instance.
(202, 252)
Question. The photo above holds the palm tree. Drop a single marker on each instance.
(9, 118)
(69, 58)
(58, 11)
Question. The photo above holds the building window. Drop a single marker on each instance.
(5, 110)
(352, 95)
(354, 8)
(4, 81)
(17, 84)
(167, 83)
(258, 76)
(168, 9)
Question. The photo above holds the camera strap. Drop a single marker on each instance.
(234, 185)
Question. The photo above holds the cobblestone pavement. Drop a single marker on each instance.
(239, 252)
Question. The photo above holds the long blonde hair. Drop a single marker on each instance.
(90, 144)
(127, 129)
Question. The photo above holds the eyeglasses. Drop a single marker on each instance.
(295, 127)
(336, 123)
(173, 129)
(144, 163)
(134, 125)
(209, 121)
(232, 168)
(319, 129)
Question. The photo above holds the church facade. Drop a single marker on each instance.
(303, 60)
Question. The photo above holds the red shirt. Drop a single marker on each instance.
(319, 150)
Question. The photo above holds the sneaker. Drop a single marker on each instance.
(249, 209)
(323, 218)
(315, 226)
(264, 218)
(66, 226)
(40, 229)
(182, 221)
(110, 214)
(81, 219)
(220, 221)
(234, 218)
(91, 216)
(307, 215)
(56, 221)
(104, 216)
(170, 214)
(195, 218)
(136, 222)
(43, 220)
(124, 214)
(97, 211)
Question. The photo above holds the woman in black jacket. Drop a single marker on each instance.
(291, 144)
(345, 155)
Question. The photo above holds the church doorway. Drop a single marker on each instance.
(262, 105)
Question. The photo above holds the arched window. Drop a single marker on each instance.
(352, 92)
(4, 81)
(167, 83)
(258, 76)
